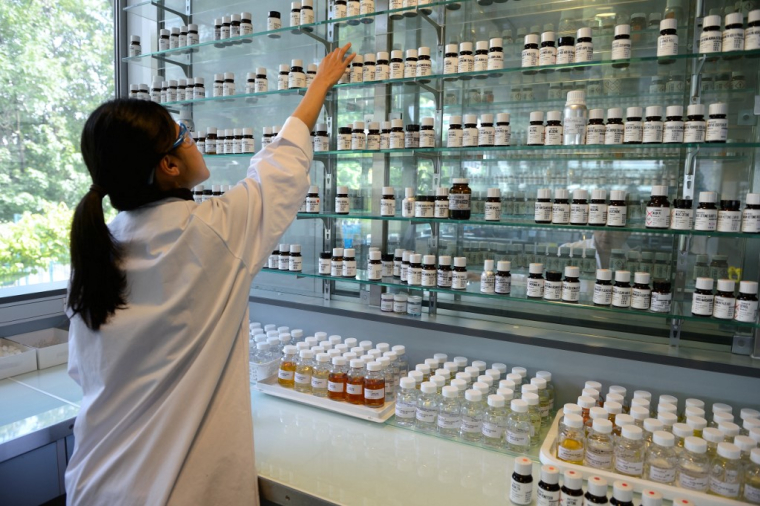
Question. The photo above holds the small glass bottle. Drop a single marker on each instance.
(603, 288)
(382, 66)
(336, 380)
(287, 369)
(451, 60)
(355, 382)
(494, 421)
(472, 416)
(455, 132)
(543, 206)
(641, 294)
(535, 281)
(358, 136)
(733, 34)
(621, 46)
(336, 263)
(374, 386)
(407, 205)
(503, 132)
(615, 130)
(693, 472)
(561, 207)
(716, 130)
(325, 261)
(406, 402)
(397, 134)
(746, 302)
(530, 54)
(584, 46)
(621, 291)
(488, 277)
(726, 471)
(751, 492)
(703, 299)
(662, 461)
(449, 415)
(521, 487)
(503, 284)
(571, 493)
(548, 491)
(630, 451)
(553, 132)
(536, 129)
(724, 302)
(459, 274)
(466, 59)
(579, 208)
(571, 441)
(547, 55)
(519, 427)
(470, 131)
(459, 199)
(571, 285)
(729, 216)
(304, 369)
(599, 445)
(633, 129)
(320, 375)
(596, 495)
(658, 208)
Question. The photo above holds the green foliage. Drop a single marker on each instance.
(56, 66)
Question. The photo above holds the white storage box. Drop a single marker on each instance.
(20, 363)
(51, 345)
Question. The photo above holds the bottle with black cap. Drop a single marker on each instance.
(273, 23)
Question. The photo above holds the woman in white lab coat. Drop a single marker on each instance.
(158, 301)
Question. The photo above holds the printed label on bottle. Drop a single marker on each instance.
(746, 310)
(571, 292)
(324, 266)
(521, 493)
(459, 202)
(414, 276)
(702, 304)
(466, 63)
(441, 209)
(729, 221)
(450, 64)
(602, 294)
(752, 42)
(282, 262)
(273, 262)
(459, 280)
(492, 430)
(428, 277)
(373, 142)
(575, 126)
(681, 219)
(599, 459)
(621, 49)
(751, 494)
(565, 54)
(503, 135)
(333, 386)
(503, 284)
(454, 138)
(262, 85)
(492, 211)
(354, 389)
(471, 424)
(597, 214)
(427, 139)
(579, 214)
(621, 296)
(424, 68)
(710, 42)
(569, 455)
(303, 379)
(723, 307)
(698, 483)
(706, 219)
(405, 410)
(368, 72)
(535, 287)
(295, 264)
(470, 137)
(375, 271)
(717, 130)
(568, 500)
(632, 132)
(657, 217)
(444, 279)
(547, 56)
(694, 131)
(560, 213)
(543, 211)
(722, 488)
(640, 298)
(397, 140)
(318, 383)
(518, 438)
(627, 467)
(535, 135)
(529, 57)
(614, 134)
(341, 205)
(584, 52)
(751, 221)
(486, 136)
(426, 415)
(553, 135)
(653, 132)
(495, 60)
(449, 420)
(382, 72)
(552, 290)
(661, 302)
(546, 497)
(285, 375)
(357, 74)
(481, 62)
(375, 394)
(661, 474)
(349, 269)
(358, 141)
(667, 45)
(673, 132)
(733, 40)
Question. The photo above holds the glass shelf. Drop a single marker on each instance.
(634, 228)
(149, 9)
(273, 98)
(518, 301)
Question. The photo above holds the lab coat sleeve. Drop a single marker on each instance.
(252, 216)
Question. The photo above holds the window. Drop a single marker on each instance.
(56, 66)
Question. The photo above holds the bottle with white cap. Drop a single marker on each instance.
(571, 285)
(651, 498)
(521, 487)
(575, 117)
(503, 131)
(406, 402)
(548, 491)
(449, 414)
(595, 131)
(653, 126)
(423, 67)
(667, 42)
(597, 491)
(470, 131)
(599, 445)
(481, 58)
(726, 471)
(630, 451)
(673, 130)
(494, 421)
(579, 207)
(658, 208)
(486, 131)
(693, 472)
(492, 208)
(488, 277)
(455, 133)
(662, 461)
(695, 126)
(561, 207)
(451, 59)
(530, 53)
(407, 205)
(614, 130)
(633, 130)
(536, 129)
(733, 33)
(466, 59)
(471, 428)
(553, 129)
(397, 136)
(543, 206)
(427, 407)
(751, 480)
(571, 493)
(751, 43)
(357, 69)
(304, 369)
(495, 54)
(621, 45)
(622, 494)
(519, 427)
(427, 133)
(382, 66)
(703, 299)
(710, 40)
(717, 123)
(571, 441)
(358, 136)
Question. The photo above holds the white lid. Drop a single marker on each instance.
(682, 430)
(428, 121)
(623, 30)
(754, 454)
(748, 413)
(166, 32)
(586, 402)
(397, 54)
(289, 350)
(531, 38)
(518, 406)
(554, 116)
(580, 194)
(617, 389)
(507, 393)
(718, 107)
(561, 193)
(622, 491)
(366, 345)
(663, 438)
(639, 412)
(446, 260)
(470, 119)
(503, 117)
(695, 110)
(696, 422)
(634, 112)
(712, 21)
(577, 97)
(548, 37)
(444, 373)
(323, 357)
(424, 51)
(573, 421)
(734, 18)
(496, 401)
(485, 378)
(613, 407)
(668, 419)
(695, 444)
(460, 361)
(460, 262)
(450, 366)
(428, 387)
(622, 276)
(712, 435)
(549, 475)
(537, 116)
(423, 368)
(704, 283)
(544, 193)
(375, 255)
(382, 55)
(450, 392)
(595, 114)
(572, 271)
(666, 407)
(455, 120)
(284, 67)
(496, 42)
(659, 190)
(306, 354)
(719, 406)
(481, 44)
(654, 110)
(674, 110)
(745, 443)
(729, 450)
(726, 285)
(248, 131)
(602, 425)
(407, 383)
(397, 123)
(709, 197)
(573, 480)
(641, 278)
(411, 53)
(515, 378)
(653, 425)
(503, 266)
(603, 274)
(473, 395)
(651, 498)
(751, 17)
(417, 375)
(441, 191)
(488, 265)
(729, 428)
(507, 383)
(415, 258)
(486, 118)
(590, 392)
(668, 24)
(484, 388)
(465, 46)
(519, 370)
(523, 466)
(530, 398)
(615, 113)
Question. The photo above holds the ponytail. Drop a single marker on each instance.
(122, 143)
(98, 284)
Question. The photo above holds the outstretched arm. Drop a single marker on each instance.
(330, 71)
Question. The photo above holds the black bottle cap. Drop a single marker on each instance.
(325, 255)
(274, 14)
(661, 285)
(553, 276)
(567, 41)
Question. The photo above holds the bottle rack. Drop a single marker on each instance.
(442, 95)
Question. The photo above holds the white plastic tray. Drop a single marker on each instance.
(378, 415)
(547, 456)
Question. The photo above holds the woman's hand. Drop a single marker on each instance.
(330, 71)
(333, 66)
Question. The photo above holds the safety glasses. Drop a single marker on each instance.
(184, 137)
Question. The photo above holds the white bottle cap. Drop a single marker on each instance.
(673, 111)
(455, 120)
(424, 51)
(663, 438)
(507, 393)
(450, 391)
(470, 119)
(503, 117)
(641, 278)
(531, 38)
(481, 45)
(460, 361)
(580, 194)
(603, 274)
(306, 354)
(754, 455)
(486, 118)
(397, 54)
(323, 357)
(623, 30)
(416, 375)
(428, 387)
(572, 271)
(622, 276)
(668, 24)
(597, 486)
(613, 407)
(451, 48)
(554, 116)
(488, 265)
(598, 413)
(729, 429)
(289, 350)
(444, 260)
(682, 430)
(583, 33)
(696, 422)
(573, 421)
(358, 125)
(544, 193)
(728, 450)
(465, 46)
(734, 18)
(496, 42)
(591, 392)
(653, 425)
(523, 372)
(713, 435)
(496, 401)
(537, 116)
(639, 412)
(615, 113)
(507, 383)
(695, 444)
(651, 498)
(621, 490)
(719, 406)
(523, 466)
(428, 121)
(595, 113)
(530, 398)
(713, 20)
(668, 419)
(407, 383)
(614, 397)
(726, 285)
(493, 373)
(617, 196)
(576, 97)
(634, 112)
(654, 111)
(718, 107)
(549, 475)
(473, 395)
(586, 402)
(536, 268)
(659, 190)
(709, 197)
(561, 193)
(704, 283)
(397, 123)
(460, 261)
(746, 413)
(518, 406)
(411, 53)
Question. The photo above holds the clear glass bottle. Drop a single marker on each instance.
(472, 416)
(544, 399)
(304, 369)
(630, 450)
(726, 471)
(494, 421)
(571, 440)
(450, 412)
(662, 461)
(374, 385)
(693, 472)
(535, 416)
(355, 382)
(599, 445)
(406, 402)
(519, 427)
(401, 360)
(320, 375)
(751, 480)
(427, 407)
(287, 370)
(336, 380)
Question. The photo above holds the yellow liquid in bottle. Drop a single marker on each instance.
(305, 371)
(319, 382)
(570, 449)
(286, 374)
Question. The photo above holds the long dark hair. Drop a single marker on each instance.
(122, 143)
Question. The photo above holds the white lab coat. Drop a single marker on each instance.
(166, 412)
